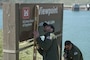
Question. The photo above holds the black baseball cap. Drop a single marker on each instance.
(46, 24)
(68, 42)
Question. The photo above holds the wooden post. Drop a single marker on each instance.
(36, 29)
(10, 33)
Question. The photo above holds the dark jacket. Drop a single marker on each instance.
(48, 48)
(74, 54)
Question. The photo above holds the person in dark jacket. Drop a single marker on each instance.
(72, 52)
(48, 47)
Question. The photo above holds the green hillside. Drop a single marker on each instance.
(69, 2)
(1, 44)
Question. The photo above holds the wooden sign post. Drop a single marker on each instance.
(20, 20)
(10, 33)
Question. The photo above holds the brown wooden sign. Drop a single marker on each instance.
(50, 13)
(26, 21)
(20, 21)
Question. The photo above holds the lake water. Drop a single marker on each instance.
(76, 27)
(1, 19)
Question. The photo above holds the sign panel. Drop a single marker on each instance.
(26, 21)
(50, 13)
(25, 12)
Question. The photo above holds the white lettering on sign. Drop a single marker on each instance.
(48, 11)
(27, 23)
(50, 22)
(26, 12)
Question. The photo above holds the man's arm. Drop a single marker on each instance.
(40, 51)
(46, 44)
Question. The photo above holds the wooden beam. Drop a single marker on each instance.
(10, 33)
(36, 29)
